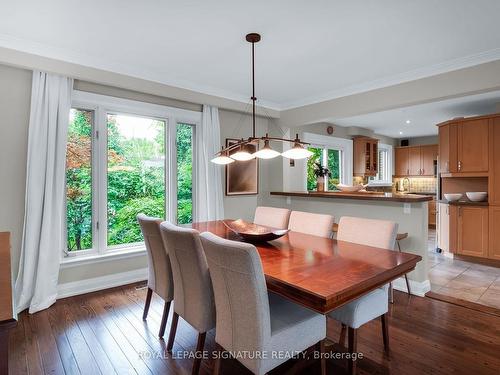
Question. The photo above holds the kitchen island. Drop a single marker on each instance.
(410, 211)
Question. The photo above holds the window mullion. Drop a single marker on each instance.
(101, 188)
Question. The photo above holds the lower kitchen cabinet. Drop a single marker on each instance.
(472, 231)
(494, 235)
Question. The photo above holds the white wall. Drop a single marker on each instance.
(15, 94)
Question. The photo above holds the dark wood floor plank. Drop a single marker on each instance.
(59, 330)
(17, 358)
(84, 311)
(98, 304)
(98, 352)
(51, 359)
(33, 356)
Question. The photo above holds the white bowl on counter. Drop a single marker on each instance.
(350, 188)
(477, 196)
(453, 197)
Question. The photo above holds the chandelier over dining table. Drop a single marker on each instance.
(243, 149)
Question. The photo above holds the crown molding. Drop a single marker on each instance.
(445, 67)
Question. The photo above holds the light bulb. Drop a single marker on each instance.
(242, 154)
(266, 152)
(222, 160)
(297, 152)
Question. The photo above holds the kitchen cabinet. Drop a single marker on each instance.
(494, 233)
(401, 161)
(472, 146)
(494, 160)
(472, 231)
(444, 230)
(365, 156)
(415, 160)
(432, 213)
(464, 146)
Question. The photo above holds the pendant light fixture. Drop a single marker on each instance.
(243, 149)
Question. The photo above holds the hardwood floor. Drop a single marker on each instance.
(103, 333)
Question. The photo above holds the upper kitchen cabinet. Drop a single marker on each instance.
(463, 147)
(365, 156)
(415, 160)
(401, 161)
(494, 167)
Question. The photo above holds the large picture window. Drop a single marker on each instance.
(123, 158)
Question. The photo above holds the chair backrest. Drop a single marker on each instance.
(243, 318)
(160, 273)
(309, 223)
(193, 294)
(370, 232)
(272, 217)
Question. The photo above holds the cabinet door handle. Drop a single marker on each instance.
(459, 165)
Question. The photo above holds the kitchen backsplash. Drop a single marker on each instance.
(420, 184)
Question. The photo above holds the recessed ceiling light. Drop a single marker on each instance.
(408, 121)
(400, 133)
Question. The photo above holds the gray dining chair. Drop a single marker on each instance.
(272, 217)
(193, 294)
(249, 319)
(311, 223)
(374, 233)
(160, 278)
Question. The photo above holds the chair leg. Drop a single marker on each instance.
(343, 331)
(407, 285)
(148, 302)
(199, 350)
(166, 309)
(385, 332)
(173, 330)
(322, 350)
(218, 360)
(391, 293)
(352, 337)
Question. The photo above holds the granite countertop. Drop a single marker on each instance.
(372, 196)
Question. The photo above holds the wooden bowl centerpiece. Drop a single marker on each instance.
(254, 233)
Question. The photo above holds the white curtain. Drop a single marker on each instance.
(209, 196)
(42, 243)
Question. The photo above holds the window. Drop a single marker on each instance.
(334, 153)
(329, 158)
(79, 180)
(184, 173)
(123, 158)
(384, 174)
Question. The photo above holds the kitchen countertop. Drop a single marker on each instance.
(372, 196)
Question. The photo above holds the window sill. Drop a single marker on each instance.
(76, 261)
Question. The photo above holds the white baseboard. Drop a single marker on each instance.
(74, 288)
(417, 288)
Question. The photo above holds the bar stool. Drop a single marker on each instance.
(400, 237)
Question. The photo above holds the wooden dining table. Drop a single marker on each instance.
(321, 273)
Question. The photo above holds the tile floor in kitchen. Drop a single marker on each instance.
(457, 278)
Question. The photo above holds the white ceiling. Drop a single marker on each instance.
(423, 118)
(310, 50)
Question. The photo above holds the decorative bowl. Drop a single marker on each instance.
(476, 196)
(253, 232)
(453, 197)
(350, 188)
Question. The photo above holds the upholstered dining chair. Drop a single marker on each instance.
(193, 294)
(160, 278)
(310, 223)
(272, 217)
(375, 233)
(249, 319)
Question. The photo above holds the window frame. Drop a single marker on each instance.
(345, 146)
(389, 168)
(102, 105)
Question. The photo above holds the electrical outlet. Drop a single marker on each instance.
(407, 208)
